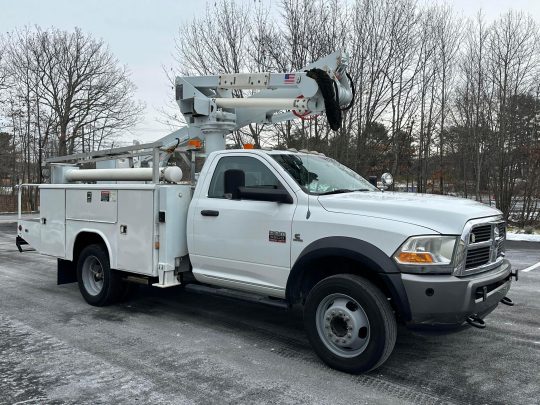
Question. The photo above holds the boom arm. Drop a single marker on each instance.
(210, 109)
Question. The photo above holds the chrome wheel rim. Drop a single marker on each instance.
(92, 275)
(343, 325)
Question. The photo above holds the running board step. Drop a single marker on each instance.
(225, 292)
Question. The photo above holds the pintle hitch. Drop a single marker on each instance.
(476, 321)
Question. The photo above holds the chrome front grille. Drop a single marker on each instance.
(484, 246)
(477, 257)
(502, 229)
(481, 233)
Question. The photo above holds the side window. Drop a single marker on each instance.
(256, 173)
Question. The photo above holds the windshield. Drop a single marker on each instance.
(322, 175)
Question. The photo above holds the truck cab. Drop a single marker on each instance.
(332, 217)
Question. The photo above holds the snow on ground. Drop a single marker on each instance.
(523, 237)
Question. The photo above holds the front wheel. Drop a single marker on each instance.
(98, 283)
(350, 323)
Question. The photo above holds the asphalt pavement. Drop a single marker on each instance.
(173, 346)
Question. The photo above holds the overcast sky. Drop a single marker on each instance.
(141, 34)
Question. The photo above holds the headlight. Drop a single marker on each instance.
(426, 254)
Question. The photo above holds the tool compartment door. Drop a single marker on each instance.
(136, 231)
(53, 222)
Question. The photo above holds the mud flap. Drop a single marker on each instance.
(66, 272)
(20, 242)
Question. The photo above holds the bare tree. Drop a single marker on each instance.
(62, 90)
(84, 84)
(3, 67)
(513, 57)
(448, 38)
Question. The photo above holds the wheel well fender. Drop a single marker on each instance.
(89, 237)
(335, 255)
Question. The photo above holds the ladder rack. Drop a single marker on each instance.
(158, 153)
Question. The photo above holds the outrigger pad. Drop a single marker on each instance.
(66, 272)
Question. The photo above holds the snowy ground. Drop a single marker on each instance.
(523, 237)
(173, 347)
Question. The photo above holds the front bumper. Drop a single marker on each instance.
(449, 300)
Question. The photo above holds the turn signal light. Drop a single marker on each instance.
(248, 146)
(415, 257)
(195, 143)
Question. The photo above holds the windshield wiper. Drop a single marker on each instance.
(343, 190)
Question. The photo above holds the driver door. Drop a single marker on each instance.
(242, 244)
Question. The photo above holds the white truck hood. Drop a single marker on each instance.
(446, 215)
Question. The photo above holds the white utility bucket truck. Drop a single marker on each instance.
(295, 227)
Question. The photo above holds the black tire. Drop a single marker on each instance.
(375, 341)
(105, 287)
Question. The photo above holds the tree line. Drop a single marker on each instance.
(446, 104)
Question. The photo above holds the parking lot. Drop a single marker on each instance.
(174, 346)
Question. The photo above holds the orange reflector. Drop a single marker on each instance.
(248, 146)
(415, 257)
(195, 143)
(156, 245)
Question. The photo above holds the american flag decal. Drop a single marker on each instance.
(289, 78)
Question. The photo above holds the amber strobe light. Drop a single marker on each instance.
(195, 143)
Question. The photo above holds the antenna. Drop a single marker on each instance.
(308, 213)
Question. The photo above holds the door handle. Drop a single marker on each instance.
(209, 213)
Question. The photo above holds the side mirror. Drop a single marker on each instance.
(387, 180)
(265, 194)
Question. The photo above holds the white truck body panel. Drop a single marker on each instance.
(174, 202)
(125, 216)
(53, 224)
(135, 231)
(89, 205)
(445, 214)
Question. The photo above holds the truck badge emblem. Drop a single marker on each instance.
(473, 238)
(298, 238)
(277, 236)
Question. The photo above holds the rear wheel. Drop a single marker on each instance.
(350, 323)
(98, 283)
